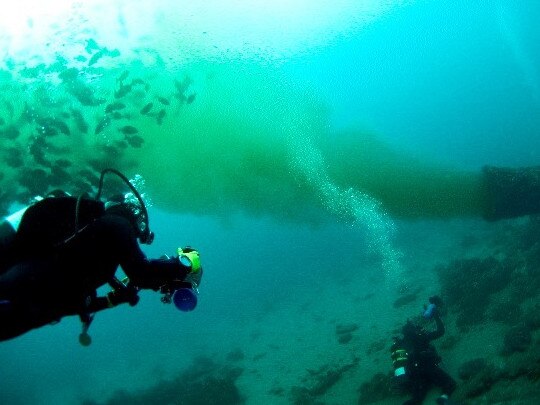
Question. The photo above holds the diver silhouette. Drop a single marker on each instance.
(57, 252)
(416, 361)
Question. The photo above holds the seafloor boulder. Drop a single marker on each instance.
(203, 383)
(471, 368)
(468, 284)
(380, 387)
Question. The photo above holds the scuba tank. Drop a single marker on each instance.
(10, 224)
(400, 357)
(14, 219)
(8, 228)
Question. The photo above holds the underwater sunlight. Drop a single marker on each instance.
(212, 134)
(342, 167)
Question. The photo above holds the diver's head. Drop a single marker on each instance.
(127, 206)
(412, 329)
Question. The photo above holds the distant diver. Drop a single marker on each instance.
(57, 252)
(416, 361)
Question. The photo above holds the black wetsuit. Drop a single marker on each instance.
(58, 259)
(422, 369)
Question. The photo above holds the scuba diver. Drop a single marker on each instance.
(56, 253)
(416, 361)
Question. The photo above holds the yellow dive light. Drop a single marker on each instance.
(190, 258)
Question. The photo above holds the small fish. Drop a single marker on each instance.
(59, 65)
(37, 150)
(32, 72)
(191, 98)
(48, 126)
(63, 163)
(48, 131)
(135, 141)
(146, 109)
(111, 150)
(114, 106)
(163, 101)
(28, 113)
(59, 176)
(128, 130)
(91, 45)
(62, 126)
(96, 57)
(10, 132)
(117, 116)
(90, 175)
(14, 157)
(123, 76)
(112, 54)
(35, 180)
(82, 186)
(84, 94)
(122, 91)
(121, 144)
(102, 124)
(10, 108)
(137, 81)
(160, 116)
(82, 126)
(69, 75)
(182, 86)
(180, 97)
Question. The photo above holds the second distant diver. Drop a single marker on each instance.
(416, 361)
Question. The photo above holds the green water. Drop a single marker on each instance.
(210, 135)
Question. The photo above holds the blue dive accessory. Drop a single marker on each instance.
(185, 299)
(181, 293)
(429, 311)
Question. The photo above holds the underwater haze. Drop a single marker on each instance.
(325, 158)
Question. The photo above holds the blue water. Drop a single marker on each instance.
(457, 82)
(445, 79)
